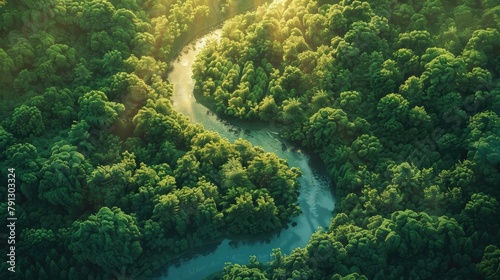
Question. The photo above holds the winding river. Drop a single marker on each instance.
(315, 198)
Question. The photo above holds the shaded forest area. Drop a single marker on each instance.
(401, 99)
(110, 181)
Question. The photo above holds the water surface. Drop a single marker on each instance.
(316, 201)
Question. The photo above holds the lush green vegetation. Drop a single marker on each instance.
(401, 100)
(111, 181)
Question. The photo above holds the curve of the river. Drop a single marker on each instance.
(315, 198)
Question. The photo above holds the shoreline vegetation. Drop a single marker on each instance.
(217, 19)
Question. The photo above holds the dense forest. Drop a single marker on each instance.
(109, 180)
(400, 100)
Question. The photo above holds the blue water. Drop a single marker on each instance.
(315, 200)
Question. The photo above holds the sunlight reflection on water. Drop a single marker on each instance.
(315, 200)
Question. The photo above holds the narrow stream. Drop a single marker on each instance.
(315, 198)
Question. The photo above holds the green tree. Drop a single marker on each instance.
(188, 170)
(324, 251)
(350, 101)
(6, 140)
(25, 159)
(107, 184)
(152, 125)
(434, 12)
(292, 111)
(6, 66)
(27, 121)
(410, 230)
(102, 43)
(407, 62)
(480, 50)
(143, 44)
(481, 139)
(357, 11)
(97, 111)
(364, 37)
(166, 213)
(412, 90)
(24, 81)
(112, 62)
(208, 220)
(242, 272)
(327, 125)
(149, 182)
(393, 111)
(489, 266)
(233, 174)
(337, 21)
(61, 56)
(22, 53)
(411, 181)
(108, 239)
(481, 209)
(38, 239)
(57, 107)
(443, 72)
(252, 213)
(292, 47)
(212, 150)
(401, 14)
(95, 15)
(367, 147)
(268, 108)
(63, 177)
(416, 40)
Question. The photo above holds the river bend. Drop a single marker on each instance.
(315, 198)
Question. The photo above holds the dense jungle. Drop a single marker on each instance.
(399, 99)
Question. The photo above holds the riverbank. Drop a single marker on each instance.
(217, 18)
(315, 198)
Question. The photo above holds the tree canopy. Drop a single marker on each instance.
(399, 100)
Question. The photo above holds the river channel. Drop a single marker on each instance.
(315, 198)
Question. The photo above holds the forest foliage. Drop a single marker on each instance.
(401, 101)
(111, 181)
